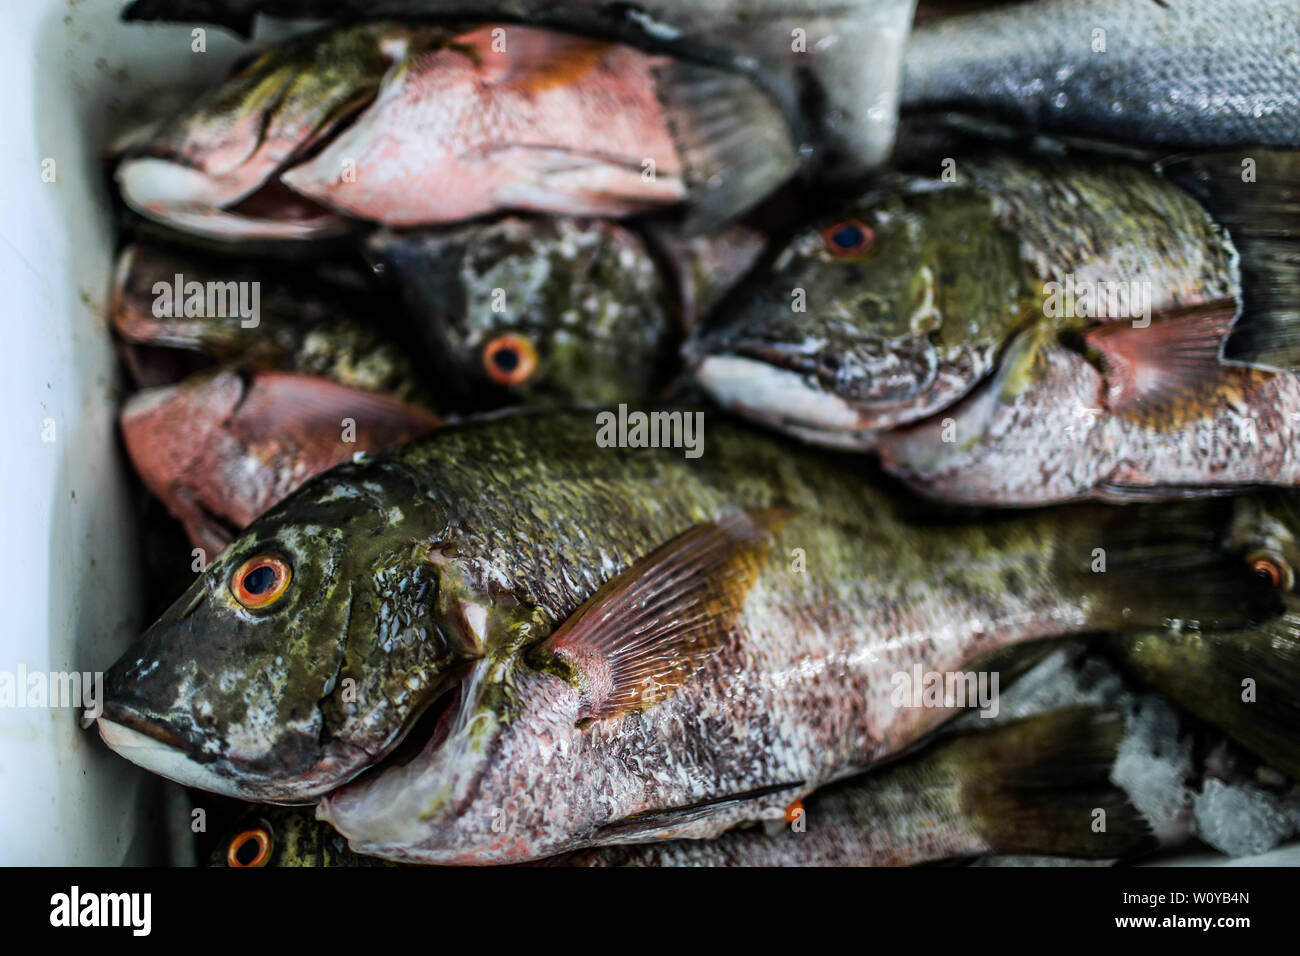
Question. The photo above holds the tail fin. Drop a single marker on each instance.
(1255, 194)
(735, 142)
(1042, 786)
(1243, 682)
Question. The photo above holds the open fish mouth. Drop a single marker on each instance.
(179, 195)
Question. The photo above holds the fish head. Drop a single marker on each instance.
(1266, 529)
(301, 655)
(229, 147)
(528, 311)
(868, 318)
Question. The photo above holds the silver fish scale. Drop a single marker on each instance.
(1182, 73)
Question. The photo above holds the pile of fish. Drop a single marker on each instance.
(742, 433)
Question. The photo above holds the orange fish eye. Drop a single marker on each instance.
(1273, 568)
(260, 581)
(848, 238)
(509, 359)
(251, 847)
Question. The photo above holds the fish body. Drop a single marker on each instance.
(839, 61)
(1177, 74)
(407, 125)
(168, 322)
(967, 796)
(963, 330)
(220, 448)
(491, 568)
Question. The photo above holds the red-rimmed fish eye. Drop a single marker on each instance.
(1273, 568)
(848, 238)
(260, 581)
(251, 847)
(509, 359)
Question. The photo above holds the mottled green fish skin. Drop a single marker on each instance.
(439, 565)
(587, 296)
(952, 273)
(316, 330)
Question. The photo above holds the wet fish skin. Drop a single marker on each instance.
(1010, 396)
(951, 271)
(587, 297)
(953, 799)
(853, 127)
(409, 124)
(303, 325)
(1178, 73)
(441, 565)
(220, 448)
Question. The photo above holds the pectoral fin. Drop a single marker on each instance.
(648, 629)
(1173, 361)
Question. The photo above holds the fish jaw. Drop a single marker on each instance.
(187, 199)
(784, 399)
(165, 760)
(228, 148)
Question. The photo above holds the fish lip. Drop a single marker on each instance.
(135, 721)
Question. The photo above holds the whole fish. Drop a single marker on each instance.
(298, 324)
(412, 125)
(220, 448)
(1035, 331)
(1031, 786)
(1175, 73)
(836, 61)
(601, 636)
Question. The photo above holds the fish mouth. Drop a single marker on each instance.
(158, 750)
(784, 399)
(178, 195)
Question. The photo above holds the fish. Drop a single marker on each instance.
(837, 63)
(1241, 681)
(409, 125)
(284, 837)
(221, 447)
(1178, 74)
(555, 311)
(1031, 786)
(597, 642)
(528, 311)
(1023, 787)
(1035, 330)
(299, 322)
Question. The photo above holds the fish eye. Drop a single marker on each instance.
(1273, 568)
(260, 581)
(509, 359)
(251, 847)
(848, 238)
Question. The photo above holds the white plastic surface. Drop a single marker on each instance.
(72, 77)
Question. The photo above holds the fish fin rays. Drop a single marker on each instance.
(1255, 195)
(735, 144)
(1053, 777)
(1174, 360)
(647, 630)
